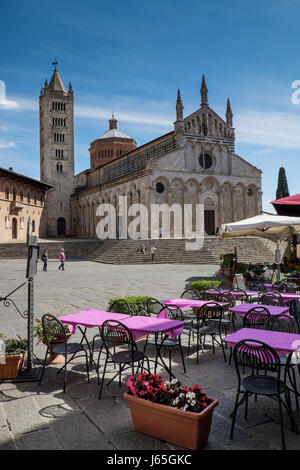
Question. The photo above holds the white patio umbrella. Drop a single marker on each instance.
(270, 226)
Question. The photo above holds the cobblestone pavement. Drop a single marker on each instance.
(33, 417)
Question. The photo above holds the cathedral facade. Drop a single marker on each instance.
(195, 163)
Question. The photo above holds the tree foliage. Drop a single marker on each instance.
(282, 187)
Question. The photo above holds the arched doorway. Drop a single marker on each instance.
(209, 216)
(14, 228)
(61, 227)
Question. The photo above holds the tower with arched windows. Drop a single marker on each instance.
(57, 152)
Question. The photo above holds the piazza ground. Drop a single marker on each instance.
(33, 417)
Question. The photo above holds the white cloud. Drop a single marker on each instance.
(9, 104)
(6, 145)
(271, 129)
(154, 120)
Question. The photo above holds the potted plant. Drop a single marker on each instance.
(242, 268)
(54, 338)
(227, 265)
(169, 411)
(12, 362)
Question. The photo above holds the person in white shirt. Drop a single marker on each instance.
(153, 252)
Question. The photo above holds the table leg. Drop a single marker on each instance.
(158, 355)
(83, 332)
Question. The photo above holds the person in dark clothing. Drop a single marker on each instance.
(45, 259)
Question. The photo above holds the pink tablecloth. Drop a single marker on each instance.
(237, 295)
(141, 326)
(138, 325)
(283, 343)
(273, 309)
(90, 318)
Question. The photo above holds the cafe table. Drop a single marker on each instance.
(242, 309)
(282, 343)
(138, 325)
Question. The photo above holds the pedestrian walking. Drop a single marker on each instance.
(62, 258)
(142, 249)
(44, 258)
(153, 252)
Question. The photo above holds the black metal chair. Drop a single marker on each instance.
(286, 324)
(116, 333)
(294, 309)
(256, 317)
(53, 327)
(174, 313)
(271, 298)
(117, 306)
(190, 294)
(204, 327)
(154, 306)
(228, 316)
(210, 294)
(257, 355)
(239, 294)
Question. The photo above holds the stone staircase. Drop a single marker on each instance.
(254, 250)
(77, 249)
(250, 249)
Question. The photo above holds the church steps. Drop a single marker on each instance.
(170, 251)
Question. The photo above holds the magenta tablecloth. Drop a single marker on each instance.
(273, 309)
(138, 325)
(236, 295)
(90, 318)
(141, 326)
(283, 343)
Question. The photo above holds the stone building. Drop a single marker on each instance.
(194, 163)
(21, 197)
(57, 152)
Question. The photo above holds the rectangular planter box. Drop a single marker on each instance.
(10, 370)
(184, 428)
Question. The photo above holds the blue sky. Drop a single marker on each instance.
(132, 56)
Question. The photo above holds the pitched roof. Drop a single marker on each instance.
(56, 82)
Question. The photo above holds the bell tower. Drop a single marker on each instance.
(57, 152)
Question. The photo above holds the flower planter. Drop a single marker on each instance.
(56, 358)
(13, 363)
(184, 428)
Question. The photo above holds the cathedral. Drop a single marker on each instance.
(195, 163)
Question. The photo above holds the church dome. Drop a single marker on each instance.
(110, 145)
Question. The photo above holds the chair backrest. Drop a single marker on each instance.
(255, 317)
(275, 298)
(210, 294)
(209, 311)
(283, 323)
(226, 297)
(52, 329)
(295, 311)
(190, 294)
(255, 299)
(239, 294)
(114, 332)
(154, 306)
(120, 306)
(256, 355)
(174, 312)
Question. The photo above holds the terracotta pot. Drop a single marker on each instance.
(13, 363)
(184, 428)
(57, 358)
